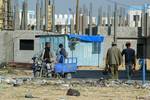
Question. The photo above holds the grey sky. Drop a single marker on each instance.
(62, 6)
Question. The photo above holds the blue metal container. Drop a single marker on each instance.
(69, 66)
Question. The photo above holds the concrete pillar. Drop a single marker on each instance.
(38, 15)
(10, 14)
(85, 19)
(22, 18)
(90, 19)
(112, 21)
(120, 16)
(108, 15)
(5, 14)
(72, 24)
(81, 24)
(53, 17)
(80, 21)
(26, 14)
(127, 20)
(124, 16)
(17, 19)
(136, 21)
(108, 20)
(85, 23)
(144, 22)
(77, 16)
(115, 23)
(41, 15)
(148, 25)
(100, 10)
(46, 14)
(104, 19)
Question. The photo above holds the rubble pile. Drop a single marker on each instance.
(73, 83)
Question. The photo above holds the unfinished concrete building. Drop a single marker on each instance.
(8, 14)
(1, 15)
(48, 15)
(50, 11)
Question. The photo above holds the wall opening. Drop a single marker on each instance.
(26, 44)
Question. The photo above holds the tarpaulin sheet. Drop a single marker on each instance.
(87, 38)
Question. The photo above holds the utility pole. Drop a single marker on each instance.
(77, 16)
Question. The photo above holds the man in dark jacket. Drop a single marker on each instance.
(130, 60)
(114, 60)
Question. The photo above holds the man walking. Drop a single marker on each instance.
(114, 60)
(130, 60)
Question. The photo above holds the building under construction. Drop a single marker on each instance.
(6, 15)
(48, 15)
(1, 14)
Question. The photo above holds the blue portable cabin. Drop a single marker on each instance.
(89, 49)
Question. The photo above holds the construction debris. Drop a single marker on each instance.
(73, 83)
(73, 92)
(29, 96)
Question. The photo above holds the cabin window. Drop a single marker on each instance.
(26, 44)
(96, 47)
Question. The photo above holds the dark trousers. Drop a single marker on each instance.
(129, 71)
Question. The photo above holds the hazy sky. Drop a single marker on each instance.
(62, 6)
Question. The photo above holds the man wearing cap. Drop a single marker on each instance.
(114, 60)
(130, 59)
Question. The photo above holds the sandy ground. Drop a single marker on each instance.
(50, 92)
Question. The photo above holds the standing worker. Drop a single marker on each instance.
(61, 54)
(130, 60)
(114, 60)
